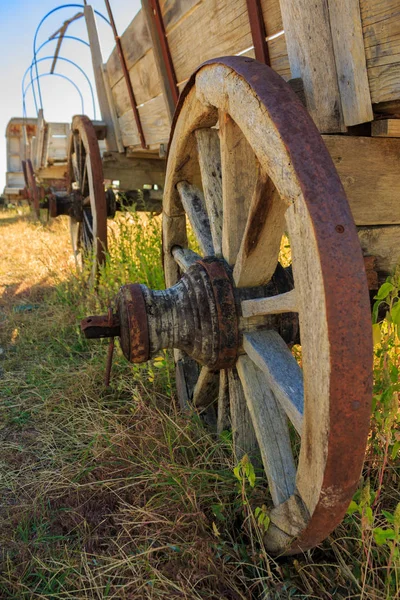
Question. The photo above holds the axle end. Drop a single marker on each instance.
(99, 326)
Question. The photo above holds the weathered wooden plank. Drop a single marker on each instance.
(386, 128)
(373, 11)
(155, 123)
(350, 61)
(175, 10)
(271, 429)
(145, 84)
(272, 16)
(381, 30)
(282, 372)
(136, 41)
(384, 244)
(211, 29)
(384, 83)
(368, 168)
(311, 57)
(193, 202)
(209, 152)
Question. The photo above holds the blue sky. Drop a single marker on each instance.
(18, 22)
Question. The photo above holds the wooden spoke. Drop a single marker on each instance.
(77, 151)
(184, 257)
(271, 430)
(75, 167)
(273, 305)
(259, 249)
(84, 176)
(187, 373)
(209, 152)
(281, 370)
(193, 202)
(224, 420)
(243, 435)
(206, 390)
(239, 173)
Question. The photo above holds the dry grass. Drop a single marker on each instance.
(116, 494)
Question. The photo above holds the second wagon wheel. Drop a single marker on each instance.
(88, 219)
(265, 170)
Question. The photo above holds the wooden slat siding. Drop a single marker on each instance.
(174, 10)
(369, 170)
(155, 123)
(311, 57)
(373, 11)
(381, 30)
(384, 83)
(386, 128)
(145, 83)
(350, 61)
(211, 29)
(278, 56)
(383, 243)
(135, 42)
(272, 16)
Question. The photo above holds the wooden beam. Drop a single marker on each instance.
(311, 57)
(97, 62)
(386, 128)
(348, 45)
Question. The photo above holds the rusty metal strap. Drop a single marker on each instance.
(166, 54)
(258, 32)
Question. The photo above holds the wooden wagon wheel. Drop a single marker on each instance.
(88, 219)
(31, 186)
(264, 169)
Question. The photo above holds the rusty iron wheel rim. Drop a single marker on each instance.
(344, 283)
(90, 233)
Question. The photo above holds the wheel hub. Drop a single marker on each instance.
(198, 315)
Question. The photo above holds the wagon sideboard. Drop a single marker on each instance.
(343, 54)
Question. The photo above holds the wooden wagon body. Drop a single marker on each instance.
(44, 145)
(340, 55)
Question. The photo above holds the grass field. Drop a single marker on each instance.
(113, 493)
